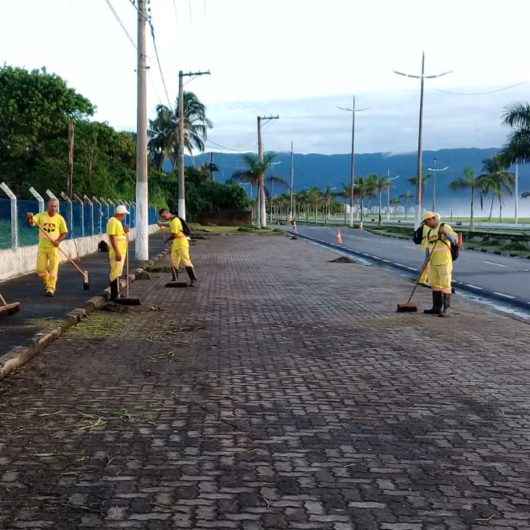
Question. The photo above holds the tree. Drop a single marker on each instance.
(468, 181)
(365, 188)
(380, 184)
(254, 174)
(406, 199)
(517, 149)
(496, 181)
(164, 130)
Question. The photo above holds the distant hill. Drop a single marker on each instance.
(333, 170)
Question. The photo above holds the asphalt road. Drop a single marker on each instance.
(506, 278)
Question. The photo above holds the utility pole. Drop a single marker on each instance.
(434, 170)
(142, 195)
(353, 111)
(71, 140)
(261, 214)
(419, 188)
(181, 176)
(516, 193)
(291, 215)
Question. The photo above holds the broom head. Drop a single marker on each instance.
(9, 309)
(407, 308)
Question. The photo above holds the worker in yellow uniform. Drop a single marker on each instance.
(118, 247)
(180, 246)
(52, 231)
(437, 240)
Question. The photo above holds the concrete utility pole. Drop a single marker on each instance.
(516, 194)
(142, 194)
(353, 111)
(71, 140)
(181, 176)
(291, 184)
(419, 188)
(434, 170)
(261, 214)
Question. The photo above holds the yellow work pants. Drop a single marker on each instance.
(425, 278)
(48, 267)
(441, 277)
(180, 253)
(116, 267)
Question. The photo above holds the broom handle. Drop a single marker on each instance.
(425, 263)
(3, 300)
(127, 267)
(45, 234)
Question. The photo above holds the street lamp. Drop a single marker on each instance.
(390, 180)
(353, 111)
(421, 77)
(434, 170)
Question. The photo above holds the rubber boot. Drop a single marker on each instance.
(436, 304)
(114, 290)
(446, 304)
(191, 274)
(174, 275)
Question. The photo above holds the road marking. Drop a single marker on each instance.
(504, 295)
(400, 264)
(410, 268)
(474, 286)
(496, 264)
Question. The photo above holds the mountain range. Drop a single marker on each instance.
(333, 171)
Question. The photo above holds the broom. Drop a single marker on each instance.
(127, 300)
(413, 308)
(8, 309)
(84, 273)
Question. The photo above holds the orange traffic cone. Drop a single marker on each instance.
(338, 238)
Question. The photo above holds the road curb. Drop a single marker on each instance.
(478, 291)
(18, 356)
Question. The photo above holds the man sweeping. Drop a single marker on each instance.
(437, 240)
(53, 224)
(118, 241)
(180, 246)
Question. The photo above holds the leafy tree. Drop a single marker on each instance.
(468, 181)
(380, 185)
(517, 148)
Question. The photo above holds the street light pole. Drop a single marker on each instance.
(180, 153)
(353, 111)
(419, 188)
(516, 193)
(434, 170)
(292, 182)
(390, 180)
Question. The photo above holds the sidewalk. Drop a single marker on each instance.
(39, 312)
(282, 392)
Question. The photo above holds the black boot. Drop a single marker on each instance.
(114, 290)
(446, 304)
(174, 274)
(436, 304)
(191, 274)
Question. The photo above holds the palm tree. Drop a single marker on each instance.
(365, 188)
(518, 147)
(395, 202)
(164, 130)
(468, 181)
(380, 185)
(254, 173)
(496, 180)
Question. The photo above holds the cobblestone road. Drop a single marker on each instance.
(283, 392)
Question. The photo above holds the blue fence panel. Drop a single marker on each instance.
(77, 229)
(98, 219)
(67, 211)
(88, 219)
(26, 234)
(5, 223)
(133, 216)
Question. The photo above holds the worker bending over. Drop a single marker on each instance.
(119, 243)
(52, 230)
(437, 240)
(180, 246)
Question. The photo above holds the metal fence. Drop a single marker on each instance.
(84, 216)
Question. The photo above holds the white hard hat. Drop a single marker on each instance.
(122, 209)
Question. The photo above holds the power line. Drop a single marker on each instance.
(493, 91)
(160, 64)
(120, 22)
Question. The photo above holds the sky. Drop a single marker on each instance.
(296, 58)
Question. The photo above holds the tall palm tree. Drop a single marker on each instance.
(517, 148)
(406, 198)
(164, 130)
(496, 181)
(254, 173)
(365, 188)
(468, 181)
(380, 185)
